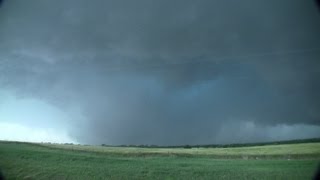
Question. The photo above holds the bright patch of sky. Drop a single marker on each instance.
(32, 120)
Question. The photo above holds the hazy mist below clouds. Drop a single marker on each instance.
(162, 72)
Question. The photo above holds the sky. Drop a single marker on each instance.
(169, 72)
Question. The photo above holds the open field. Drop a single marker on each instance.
(287, 151)
(52, 161)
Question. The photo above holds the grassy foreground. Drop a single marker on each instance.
(47, 161)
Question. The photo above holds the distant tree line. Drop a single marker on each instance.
(297, 141)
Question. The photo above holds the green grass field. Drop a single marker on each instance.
(51, 161)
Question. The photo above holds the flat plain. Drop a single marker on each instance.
(57, 161)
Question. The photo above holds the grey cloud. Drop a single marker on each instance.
(165, 72)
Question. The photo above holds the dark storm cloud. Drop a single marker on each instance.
(165, 72)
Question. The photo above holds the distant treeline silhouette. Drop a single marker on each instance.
(186, 146)
(297, 141)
